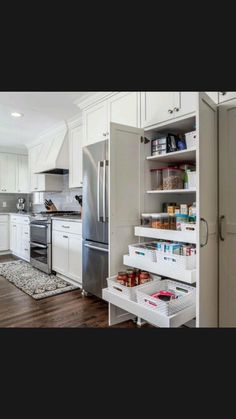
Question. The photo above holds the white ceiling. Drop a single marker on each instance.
(42, 110)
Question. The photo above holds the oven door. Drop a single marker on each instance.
(39, 233)
(40, 256)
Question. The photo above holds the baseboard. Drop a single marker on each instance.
(71, 281)
(6, 252)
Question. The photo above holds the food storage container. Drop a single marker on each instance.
(156, 220)
(146, 220)
(156, 179)
(158, 146)
(172, 178)
(192, 179)
(181, 218)
(172, 222)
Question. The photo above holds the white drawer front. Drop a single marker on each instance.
(67, 226)
(26, 232)
(3, 218)
(20, 219)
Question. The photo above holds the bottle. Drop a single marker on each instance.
(185, 179)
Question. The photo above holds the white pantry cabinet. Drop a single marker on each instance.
(42, 183)
(67, 249)
(4, 233)
(20, 236)
(13, 173)
(76, 157)
(122, 108)
(22, 176)
(159, 107)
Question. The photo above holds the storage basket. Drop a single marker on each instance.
(126, 292)
(175, 262)
(191, 139)
(186, 296)
(189, 227)
(140, 251)
(192, 179)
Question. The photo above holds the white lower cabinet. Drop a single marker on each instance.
(20, 236)
(4, 233)
(67, 250)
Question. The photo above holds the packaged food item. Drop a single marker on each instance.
(186, 184)
(158, 146)
(193, 210)
(156, 179)
(184, 209)
(171, 209)
(180, 142)
(165, 206)
(171, 143)
(177, 209)
(172, 178)
(181, 218)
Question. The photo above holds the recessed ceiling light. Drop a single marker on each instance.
(16, 114)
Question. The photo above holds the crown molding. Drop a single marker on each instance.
(75, 121)
(92, 99)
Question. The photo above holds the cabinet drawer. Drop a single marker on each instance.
(3, 218)
(19, 219)
(26, 232)
(70, 227)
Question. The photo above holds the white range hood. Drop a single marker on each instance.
(54, 155)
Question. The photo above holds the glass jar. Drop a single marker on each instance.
(144, 277)
(122, 278)
(165, 221)
(157, 221)
(172, 178)
(172, 221)
(156, 179)
(146, 220)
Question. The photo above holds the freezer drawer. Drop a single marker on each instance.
(95, 267)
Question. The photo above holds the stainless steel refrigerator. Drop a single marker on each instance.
(95, 218)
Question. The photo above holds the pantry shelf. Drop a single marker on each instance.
(178, 156)
(172, 191)
(155, 233)
(189, 276)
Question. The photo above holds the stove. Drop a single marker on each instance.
(41, 238)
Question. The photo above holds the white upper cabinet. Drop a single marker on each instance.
(95, 121)
(22, 179)
(75, 157)
(223, 96)
(8, 170)
(124, 108)
(158, 107)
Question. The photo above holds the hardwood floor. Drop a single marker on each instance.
(17, 309)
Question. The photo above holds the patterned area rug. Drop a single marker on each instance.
(32, 281)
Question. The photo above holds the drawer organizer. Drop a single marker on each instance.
(186, 296)
(174, 262)
(128, 293)
(189, 227)
(137, 250)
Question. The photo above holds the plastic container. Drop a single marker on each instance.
(192, 179)
(156, 179)
(146, 220)
(181, 218)
(172, 178)
(191, 139)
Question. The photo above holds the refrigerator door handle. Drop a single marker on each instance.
(101, 249)
(98, 191)
(104, 191)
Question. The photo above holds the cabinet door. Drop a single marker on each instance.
(75, 258)
(214, 96)
(124, 108)
(60, 246)
(4, 236)
(185, 103)
(13, 237)
(227, 214)
(156, 107)
(207, 207)
(36, 181)
(19, 239)
(22, 174)
(95, 120)
(223, 96)
(75, 157)
(8, 165)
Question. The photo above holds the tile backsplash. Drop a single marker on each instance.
(64, 201)
(11, 201)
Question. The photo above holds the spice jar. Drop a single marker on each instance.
(122, 278)
(144, 277)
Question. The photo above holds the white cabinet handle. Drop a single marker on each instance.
(104, 134)
(170, 111)
(65, 237)
(66, 226)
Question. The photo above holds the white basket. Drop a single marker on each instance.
(171, 265)
(189, 227)
(128, 293)
(187, 297)
(136, 251)
(191, 139)
(192, 180)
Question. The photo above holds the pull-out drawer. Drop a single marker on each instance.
(73, 227)
(20, 219)
(26, 232)
(151, 316)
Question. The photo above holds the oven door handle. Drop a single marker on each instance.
(38, 225)
(38, 245)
